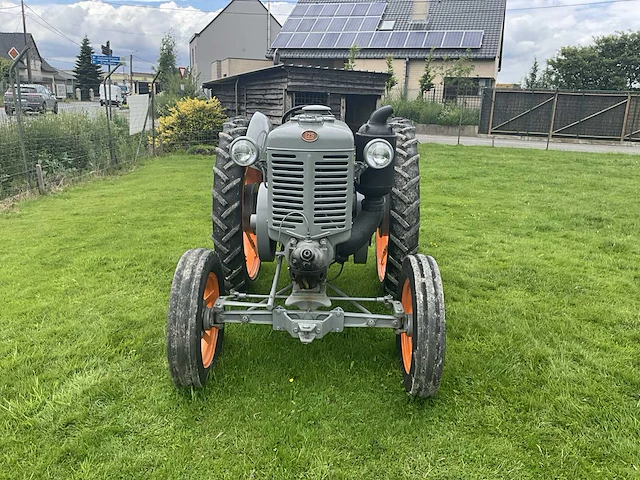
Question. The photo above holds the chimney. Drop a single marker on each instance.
(420, 11)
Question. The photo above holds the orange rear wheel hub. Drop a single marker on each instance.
(382, 254)
(249, 239)
(406, 342)
(209, 338)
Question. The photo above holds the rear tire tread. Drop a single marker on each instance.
(404, 221)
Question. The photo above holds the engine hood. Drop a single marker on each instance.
(312, 130)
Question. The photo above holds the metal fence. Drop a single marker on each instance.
(561, 114)
(39, 153)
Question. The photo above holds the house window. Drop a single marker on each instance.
(463, 87)
(310, 98)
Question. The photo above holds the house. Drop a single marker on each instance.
(351, 94)
(235, 41)
(409, 31)
(41, 72)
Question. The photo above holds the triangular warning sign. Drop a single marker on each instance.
(182, 71)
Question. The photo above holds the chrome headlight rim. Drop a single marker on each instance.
(243, 142)
(369, 146)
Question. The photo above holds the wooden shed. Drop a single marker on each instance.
(351, 94)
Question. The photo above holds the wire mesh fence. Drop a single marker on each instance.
(40, 152)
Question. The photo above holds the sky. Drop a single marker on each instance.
(534, 28)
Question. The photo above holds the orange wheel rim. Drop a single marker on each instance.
(406, 343)
(209, 338)
(382, 254)
(249, 239)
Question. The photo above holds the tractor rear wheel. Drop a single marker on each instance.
(422, 351)
(193, 347)
(234, 194)
(398, 234)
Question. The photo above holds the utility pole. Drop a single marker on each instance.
(26, 45)
(131, 75)
(268, 24)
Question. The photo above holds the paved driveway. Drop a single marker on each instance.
(630, 148)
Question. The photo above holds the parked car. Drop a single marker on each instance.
(116, 99)
(35, 98)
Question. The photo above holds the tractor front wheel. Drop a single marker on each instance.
(398, 233)
(422, 348)
(193, 346)
(235, 190)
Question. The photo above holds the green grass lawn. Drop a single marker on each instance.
(539, 253)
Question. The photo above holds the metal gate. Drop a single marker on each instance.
(590, 115)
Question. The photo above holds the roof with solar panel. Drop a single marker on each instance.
(328, 28)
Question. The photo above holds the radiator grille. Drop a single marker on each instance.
(326, 193)
(287, 190)
(331, 187)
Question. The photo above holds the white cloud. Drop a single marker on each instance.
(541, 33)
(528, 33)
(130, 29)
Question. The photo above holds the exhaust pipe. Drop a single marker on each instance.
(364, 226)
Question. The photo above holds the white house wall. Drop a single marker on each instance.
(240, 31)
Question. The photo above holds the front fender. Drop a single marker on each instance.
(258, 129)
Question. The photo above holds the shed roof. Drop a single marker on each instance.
(310, 69)
(486, 15)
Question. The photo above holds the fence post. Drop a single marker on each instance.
(114, 159)
(40, 178)
(153, 113)
(493, 107)
(553, 118)
(626, 117)
(18, 106)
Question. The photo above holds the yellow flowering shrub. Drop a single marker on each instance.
(191, 121)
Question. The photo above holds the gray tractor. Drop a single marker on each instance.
(310, 193)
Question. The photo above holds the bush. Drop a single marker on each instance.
(191, 121)
(433, 113)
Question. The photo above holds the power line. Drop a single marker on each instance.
(54, 29)
(293, 2)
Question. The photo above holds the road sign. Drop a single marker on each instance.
(13, 53)
(182, 71)
(105, 60)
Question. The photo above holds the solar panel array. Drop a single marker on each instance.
(340, 25)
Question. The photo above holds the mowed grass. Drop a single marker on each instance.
(539, 254)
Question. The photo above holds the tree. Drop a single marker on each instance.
(455, 74)
(530, 82)
(426, 80)
(167, 59)
(535, 79)
(621, 54)
(611, 63)
(5, 65)
(350, 64)
(391, 81)
(582, 68)
(87, 74)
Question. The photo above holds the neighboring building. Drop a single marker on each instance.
(235, 41)
(352, 95)
(41, 72)
(322, 34)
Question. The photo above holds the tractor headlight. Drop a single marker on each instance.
(243, 151)
(378, 153)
